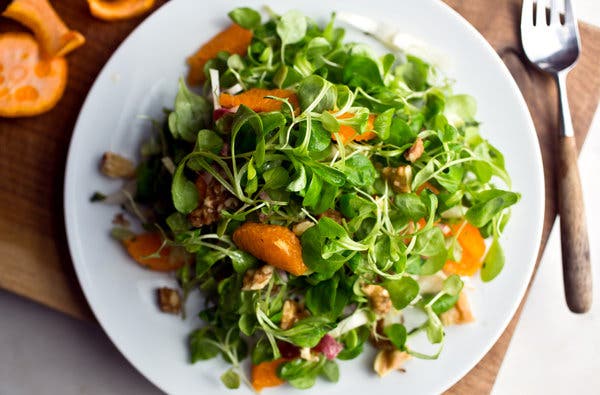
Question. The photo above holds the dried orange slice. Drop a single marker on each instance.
(28, 85)
(235, 40)
(119, 9)
(51, 32)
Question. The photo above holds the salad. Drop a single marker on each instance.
(320, 196)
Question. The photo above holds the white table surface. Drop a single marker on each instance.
(552, 352)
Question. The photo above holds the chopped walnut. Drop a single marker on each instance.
(307, 354)
(116, 166)
(379, 298)
(302, 227)
(169, 300)
(213, 198)
(257, 279)
(459, 314)
(119, 219)
(389, 360)
(333, 214)
(292, 312)
(399, 177)
(415, 151)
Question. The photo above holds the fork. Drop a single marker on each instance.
(553, 45)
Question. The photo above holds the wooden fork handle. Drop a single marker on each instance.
(577, 274)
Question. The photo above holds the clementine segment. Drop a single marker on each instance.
(28, 85)
(257, 99)
(348, 133)
(235, 40)
(473, 250)
(119, 9)
(55, 38)
(265, 374)
(142, 247)
(276, 245)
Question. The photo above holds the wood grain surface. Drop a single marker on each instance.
(34, 258)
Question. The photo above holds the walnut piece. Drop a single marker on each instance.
(333, 214)
(389, 360)
(292, 312)
(399, 177)
(169, 300)
(307, 354)
(256, 279)
(212, 198)
(460, 313)
(379, 298)
(115, 166)
(415, 151)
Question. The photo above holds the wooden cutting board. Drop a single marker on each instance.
(34, 258)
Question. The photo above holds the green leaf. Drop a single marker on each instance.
(291, 27)
(203, 345)
(401, 133)
(241, 260)
(489, 203)
(329, 122)
(331, 371)
(410, 206)
(359, 170)
(183, 192)
(275, 178)
(444, 303)
(402, 291)
(396, 333)
(307, 332)
(192, 113)
(177, 222)
(262, 351)
(383, 123)
(299, 183)
(460, 109)
(493, 262)
(313, 193)
(415, 73)
(231, 379)
(430, 243)
(317, 94)
(434, 327)
(245, 17)
(452, 285)
(208, 140)
(362, 71)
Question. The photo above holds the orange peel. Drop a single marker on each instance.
(119, 9)
(55, 38)
(29, 85)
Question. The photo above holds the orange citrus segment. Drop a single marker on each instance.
(28, 85)
(265, 374)
(274, 244)
(256, 99)
(235, 40)
(473, 250)
(55, 38)
(347, 133)
(119, 9)
(142, 248)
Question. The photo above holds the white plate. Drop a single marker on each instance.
(141, 79)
